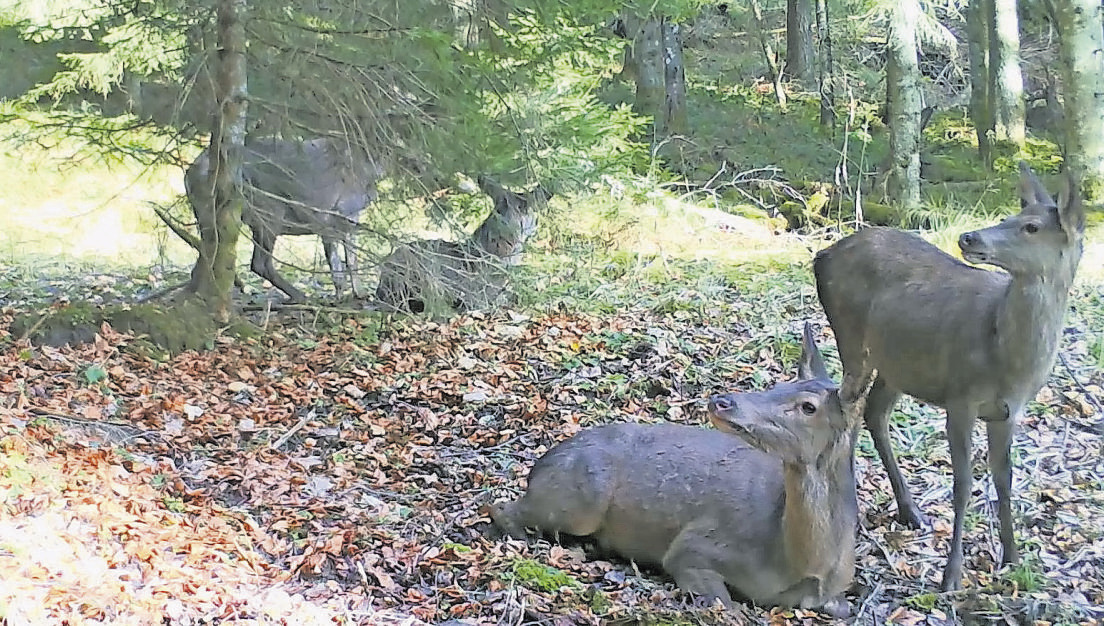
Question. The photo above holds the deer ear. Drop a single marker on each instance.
(1071, 211)
(1032, 192)
(811, 365)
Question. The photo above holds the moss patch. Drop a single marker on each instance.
(541, 577)
(161, 330)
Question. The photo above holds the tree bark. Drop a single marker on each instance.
(826, 66)
(903, 105)
(1006, 79)
(1080, 45)
(799, 40)
(650, 73)
(220, 219)
(660, 74)
(977, 38)
(674, 77)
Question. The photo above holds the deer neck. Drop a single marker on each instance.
(1028, 328)
(818, 521)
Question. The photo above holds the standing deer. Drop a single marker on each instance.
(436, 275)
(978, 343)
(767, 506)
(311, 187)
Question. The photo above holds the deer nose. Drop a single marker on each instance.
(967, 239)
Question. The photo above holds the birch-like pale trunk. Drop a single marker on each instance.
(1081, 48)
(903, 105)
(1006, 79)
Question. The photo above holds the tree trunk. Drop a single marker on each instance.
(628, 27)
(220, 219)
(1006, 79)
(799, 40)
(977, 37)
(650, 73)
(660, 74)
(768, 52)
(826, 67)
(674, 78)
(903, 105)
(1080, 41)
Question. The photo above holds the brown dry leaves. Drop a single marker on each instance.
(341, 478)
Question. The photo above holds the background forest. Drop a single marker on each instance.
(182, 441)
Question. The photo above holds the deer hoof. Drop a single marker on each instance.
(837, 607)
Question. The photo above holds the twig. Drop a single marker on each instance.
(302, 306)
(175, 225)
(102, 424)
(38, 323)
(161, 292)
(1088, 394)
(870, 598)
(294, 429)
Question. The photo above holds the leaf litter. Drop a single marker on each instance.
(334, 479)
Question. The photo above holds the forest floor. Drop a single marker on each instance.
(337, 469)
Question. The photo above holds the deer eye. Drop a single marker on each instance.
(808, 408)
(1030, 228)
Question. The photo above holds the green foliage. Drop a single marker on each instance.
(923, 602)
(1027, 576)
(94, 374)
(147, 41)
(541, 577)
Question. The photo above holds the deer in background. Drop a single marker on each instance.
(978, 343)
(766, 506)
(436, 275)
(313, 187)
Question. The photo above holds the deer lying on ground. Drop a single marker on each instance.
(978, 343)
(437, 275)
(312, 187)
(767, 506)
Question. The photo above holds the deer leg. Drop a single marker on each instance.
(352, 265)
(1000, 464)
(337, 267)
(960, 426)
(879, 404)
(688, 562)
(263, 245)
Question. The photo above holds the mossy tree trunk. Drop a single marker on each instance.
(1080, 45)
(1005, 76)
(219, 215)
(799, 40)
(977, 38)
(903, 105)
